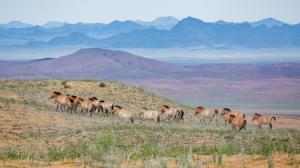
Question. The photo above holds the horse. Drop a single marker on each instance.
(106, 107)
(174, 113)
(96, 103)
(62, 101)
(124, 114)
(237, 122)
(226, 112)
(150, 115)
(88, 106)
(204, 113)
(76, 101)
(266, 120)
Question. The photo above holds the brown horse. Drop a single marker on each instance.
(204, 113)
(226, 112)
(266, 120)
(124, 114)
(61, 101)
(237, 122)
(76, 102)
(88, 106)
(175, 113)
(96, 103)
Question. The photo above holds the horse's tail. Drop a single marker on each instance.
(245, 122)
(181, 114)
(274, 118)
(244, 116)
(216, 111)
(112, 107)
(131, 119)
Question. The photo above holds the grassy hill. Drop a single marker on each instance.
(31, 131)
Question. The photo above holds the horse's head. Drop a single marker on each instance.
(255, 116)
(117, 108)
(54, 95)
(93, 98)
(164, 108)
(143, 110)
(225, 111)
(231, 117)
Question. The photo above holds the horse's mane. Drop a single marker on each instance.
(228, 109)
(231, 115)
(144, 108)
(81, 99)
(118, 106)
(95, 98)
(102, 101)
(74, 96)
(257, 114)
(200, 107)
(166, 106)
(57, 92)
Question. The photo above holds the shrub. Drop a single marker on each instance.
(65, 85)
(102, 84)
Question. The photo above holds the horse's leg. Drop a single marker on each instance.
(271, 126)
(57, 107)
(61, 107)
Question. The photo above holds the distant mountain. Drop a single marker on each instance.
(95, 63)
(268, 22)
(165, 23)
(53, 24)
(90, 63)
(191, 32)
(15, 24)
(72, 39)
(94, 30)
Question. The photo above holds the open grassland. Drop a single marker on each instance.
(33, 134)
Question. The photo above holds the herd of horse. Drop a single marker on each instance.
(71, 103)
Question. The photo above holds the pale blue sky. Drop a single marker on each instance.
(41, 11)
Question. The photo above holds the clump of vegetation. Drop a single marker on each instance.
(102, 84)
(65, 85)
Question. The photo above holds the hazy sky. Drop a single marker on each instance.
(41, 11)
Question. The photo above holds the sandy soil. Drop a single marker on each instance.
(237, 161)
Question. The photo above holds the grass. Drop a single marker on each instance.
(102, 140)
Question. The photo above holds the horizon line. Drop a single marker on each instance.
(134, 20)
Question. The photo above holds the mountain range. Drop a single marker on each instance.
(164, 32)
